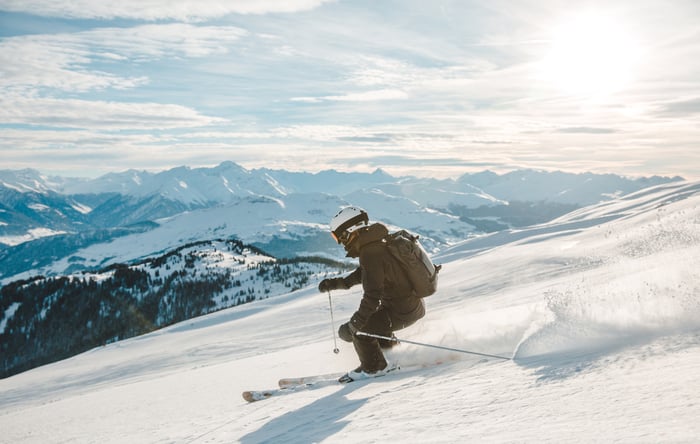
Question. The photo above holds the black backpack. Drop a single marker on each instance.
(417, 266)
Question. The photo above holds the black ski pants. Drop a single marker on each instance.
(383, 323)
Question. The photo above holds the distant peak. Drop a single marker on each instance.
(380, 172)
(229, 165)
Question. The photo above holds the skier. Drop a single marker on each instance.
(388, 303)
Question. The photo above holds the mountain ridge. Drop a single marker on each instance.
(280, 182)
(283, 212)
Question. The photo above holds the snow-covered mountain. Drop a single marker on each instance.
(598, 309)
(229, 180)
(296, 224)
(556, 186)
(52, 225)
(202, 186)
(51, 318)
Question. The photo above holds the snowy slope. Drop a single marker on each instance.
(599, 310)
(258, 220)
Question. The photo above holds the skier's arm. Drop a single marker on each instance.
(353, 278)
(341, 283)
(372, 268)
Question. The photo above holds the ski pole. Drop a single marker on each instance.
(336, 350)
(398, 341)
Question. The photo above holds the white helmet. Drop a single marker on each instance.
(346, 221)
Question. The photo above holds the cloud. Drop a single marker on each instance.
(318, 133)
(681, 108)
(366, 96)
(64, 61)
(50, 137)
(586, 130)
(149, 42)
(187, 10)
(75, 113)
(378, 138)
(405, 161)
(36, 62)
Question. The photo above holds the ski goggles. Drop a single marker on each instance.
(342, 238)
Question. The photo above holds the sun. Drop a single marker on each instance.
(590, 54)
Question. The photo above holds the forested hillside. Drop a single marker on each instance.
(47, 319)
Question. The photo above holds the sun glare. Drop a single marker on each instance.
(590, 55)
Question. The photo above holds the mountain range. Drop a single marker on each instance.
(55, 225)
(88, 262)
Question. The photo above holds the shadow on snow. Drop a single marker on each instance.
(314, 422)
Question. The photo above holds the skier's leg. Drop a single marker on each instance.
(400, 321)
(368, 349)
(383, 322)
(380, 323)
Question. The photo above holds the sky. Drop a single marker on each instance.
(435, 88)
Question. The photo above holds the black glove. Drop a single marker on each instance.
(347, 331)
(332, 284)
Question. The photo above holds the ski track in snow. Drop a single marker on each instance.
(599, 310)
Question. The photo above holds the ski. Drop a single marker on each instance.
(297, 384)
(305, 380)
(315, 379)
(259, 395)
(293, 385)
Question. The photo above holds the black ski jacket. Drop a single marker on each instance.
(383, 280)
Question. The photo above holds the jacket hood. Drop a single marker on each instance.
(366, 235)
